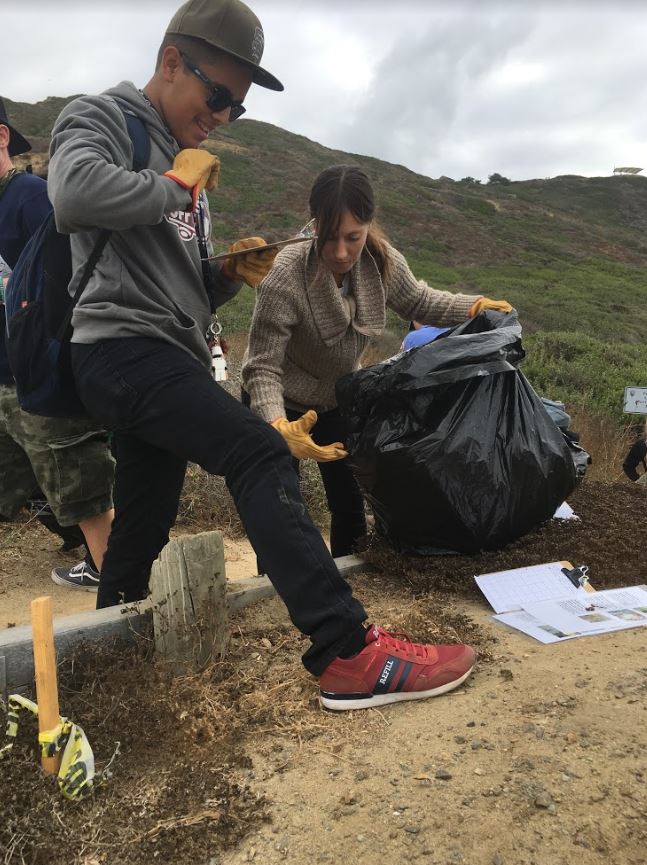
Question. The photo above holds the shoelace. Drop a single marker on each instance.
(82, 570)
(402, 643)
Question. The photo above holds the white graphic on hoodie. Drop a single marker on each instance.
(185, 220)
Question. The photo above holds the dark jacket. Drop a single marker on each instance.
(23, 206)
(637, 455)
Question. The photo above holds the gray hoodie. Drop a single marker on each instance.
(148, 281)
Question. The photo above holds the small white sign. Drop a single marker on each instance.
(635, 400)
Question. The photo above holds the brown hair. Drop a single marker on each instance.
(198, 50)
(346, 187)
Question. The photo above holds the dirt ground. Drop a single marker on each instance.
(540, 759)
(28, 553)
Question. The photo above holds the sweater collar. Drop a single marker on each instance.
(364, 309)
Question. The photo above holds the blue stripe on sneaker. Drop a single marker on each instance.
(388, 674)
(405, 675)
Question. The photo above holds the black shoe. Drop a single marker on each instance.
(81, 576)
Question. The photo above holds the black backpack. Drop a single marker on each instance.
(39, 308)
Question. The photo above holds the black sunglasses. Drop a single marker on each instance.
(219, 97)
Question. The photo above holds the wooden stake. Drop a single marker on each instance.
(188, 590)
(45, 672)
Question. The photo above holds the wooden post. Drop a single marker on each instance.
(45, 672)
(188, 588)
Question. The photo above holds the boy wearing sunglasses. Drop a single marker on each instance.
(143, 366)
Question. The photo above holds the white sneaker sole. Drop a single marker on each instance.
(385, 699)
(61, 582)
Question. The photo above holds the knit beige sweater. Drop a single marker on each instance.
(305, 334)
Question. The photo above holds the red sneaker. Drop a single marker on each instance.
(389, 669)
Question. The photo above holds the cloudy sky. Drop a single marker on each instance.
(527, 89)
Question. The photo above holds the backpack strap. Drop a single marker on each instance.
(140, 139)
(141, 155)
(90, 264)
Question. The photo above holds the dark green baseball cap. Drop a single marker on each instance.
(232, 27)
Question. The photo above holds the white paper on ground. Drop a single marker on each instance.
(565, 512)
(598, 612)
(513, 590)
(533, 627)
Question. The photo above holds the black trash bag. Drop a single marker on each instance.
(557, 411)
(581, 458)
(452, 446)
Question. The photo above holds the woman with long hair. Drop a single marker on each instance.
(316, 312)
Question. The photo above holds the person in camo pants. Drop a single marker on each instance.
(67, 461)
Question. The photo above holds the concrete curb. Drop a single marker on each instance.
(125, 623)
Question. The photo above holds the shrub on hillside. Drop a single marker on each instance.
(587, 373)
(498, 178)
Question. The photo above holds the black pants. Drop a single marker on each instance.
(344, 497)
(165, 410)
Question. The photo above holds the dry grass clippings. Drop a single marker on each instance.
(182, 785)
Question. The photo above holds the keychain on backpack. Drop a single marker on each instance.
(218, 362)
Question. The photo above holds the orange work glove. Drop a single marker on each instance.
(250, 268)
(297, 435)
(485, 303)
(195, 170)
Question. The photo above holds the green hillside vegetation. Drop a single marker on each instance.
(570, 253)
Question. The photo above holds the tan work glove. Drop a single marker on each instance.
(249, 268)
(195, 170)
(297, 435)
(485, 303)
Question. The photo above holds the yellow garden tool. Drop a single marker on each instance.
(65, 750)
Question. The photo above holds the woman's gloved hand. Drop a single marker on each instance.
(485, 303)
(250, 268)
(297, 435)
(195, 170)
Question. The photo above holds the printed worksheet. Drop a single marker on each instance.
(514, 590)
(598, 612)
(522, 621)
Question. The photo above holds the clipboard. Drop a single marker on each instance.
(278, 244)
(578, 576)
(509, 591)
